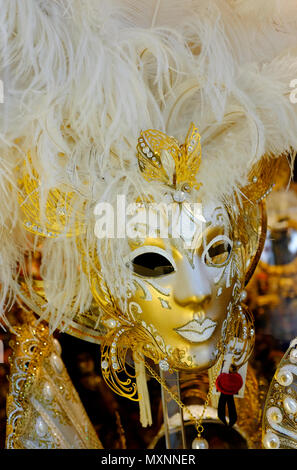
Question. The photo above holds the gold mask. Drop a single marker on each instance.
(183, 295)
(181, 301)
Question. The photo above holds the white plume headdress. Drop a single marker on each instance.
(82, 79)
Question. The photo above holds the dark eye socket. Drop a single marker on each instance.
(151, 265)
(218, 253)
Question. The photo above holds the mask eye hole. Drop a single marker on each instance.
(218, 252)
(151, 265)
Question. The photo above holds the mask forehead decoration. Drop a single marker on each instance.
(161, 158)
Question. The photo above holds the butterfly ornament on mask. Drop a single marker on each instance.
(161, 158)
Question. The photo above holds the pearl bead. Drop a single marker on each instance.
(274, 414)
(199, 443)
(163, 364)
(293, 356)
(48, 392)
(255, 179)
(290, 405)
(57, 346)
(284, 377)
(40, 427)
(57, 363)
(271, 441)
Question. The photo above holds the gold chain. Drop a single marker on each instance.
(198, 422)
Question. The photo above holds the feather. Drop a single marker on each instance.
(83, 78)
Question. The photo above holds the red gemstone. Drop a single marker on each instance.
(229, 384)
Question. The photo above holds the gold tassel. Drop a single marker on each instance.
(143, 394)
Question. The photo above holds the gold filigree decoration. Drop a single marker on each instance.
(114, 352)
(239, 334)
(43, 408)
(280, 413)
(160, 157)
(62, 215)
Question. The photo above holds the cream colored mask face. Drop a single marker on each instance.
(183, 295)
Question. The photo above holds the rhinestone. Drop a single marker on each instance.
(190, 149)
(179, 196)
(104, 365)
(255, 179)
(40, 427)
(243, 295)
(111, 323)
(163, 364)
(28, 224)
(146, 150)
(150, 155)
(115, 366)
(186, 187)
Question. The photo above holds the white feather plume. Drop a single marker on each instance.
(82, 78)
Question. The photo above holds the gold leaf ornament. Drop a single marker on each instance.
(161, 158)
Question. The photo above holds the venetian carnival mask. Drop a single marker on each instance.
(171, 291)
(184, 286)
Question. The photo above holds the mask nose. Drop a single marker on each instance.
(192, 288)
